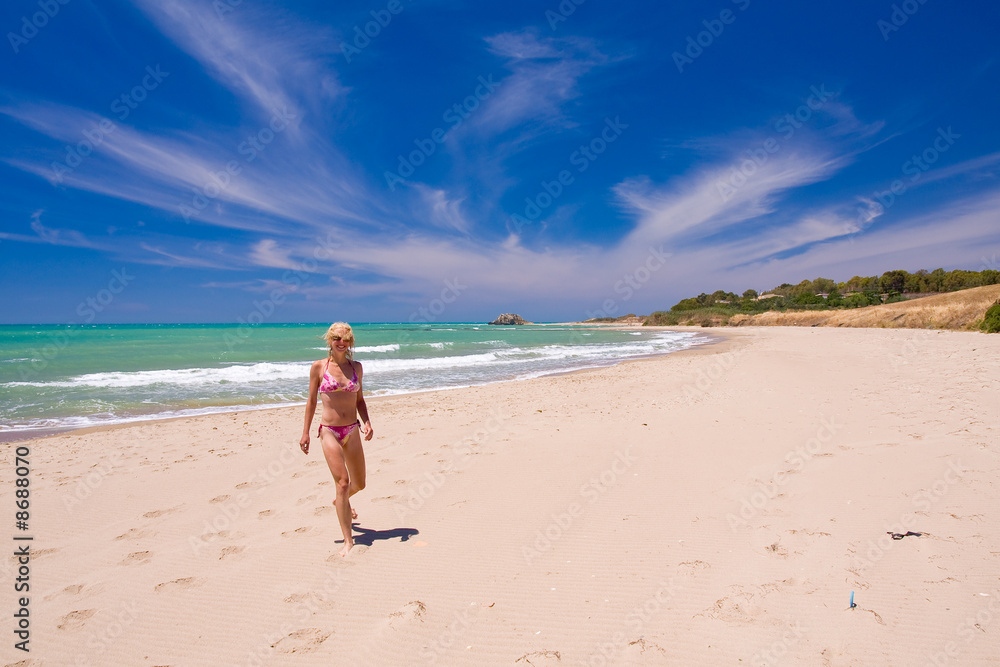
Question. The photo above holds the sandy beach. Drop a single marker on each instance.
(710, 507)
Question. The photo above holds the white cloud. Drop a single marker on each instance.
(274, 70)
(544, 76)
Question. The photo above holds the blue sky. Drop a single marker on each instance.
(421, 160)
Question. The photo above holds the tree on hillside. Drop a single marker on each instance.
(893, 281)
(935, 280)
(823, 286)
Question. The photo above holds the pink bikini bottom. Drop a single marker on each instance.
(339, 432)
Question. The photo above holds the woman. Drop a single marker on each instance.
(338, 380)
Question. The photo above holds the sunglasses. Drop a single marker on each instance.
(335, 339)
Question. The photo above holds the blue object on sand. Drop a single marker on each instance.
(852, 600)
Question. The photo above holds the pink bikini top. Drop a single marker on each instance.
(328, 385)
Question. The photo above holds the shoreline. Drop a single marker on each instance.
(11, 436)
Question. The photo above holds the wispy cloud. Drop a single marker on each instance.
(694, 206)
(442, 211)
(274, 71)
(545, 72)
(160, 256)
(53, 236)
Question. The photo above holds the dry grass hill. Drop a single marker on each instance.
(956, 310)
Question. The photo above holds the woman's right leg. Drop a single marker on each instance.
(334, 454)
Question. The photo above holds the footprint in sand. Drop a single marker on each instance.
(358, 550)
(325, 509)
(383, 498)
(411, 612)
(694, 565)
(297, 531)
(224, 535)
(75, 619)
(74, 590)
(264, 513)
(540, 658)
(305, 640)
(736, 608)
(248, 485)
(219, 499)
(644, 652)
(157, 513)
(299, 474)
(137, 557)
(133, 534)
(231, 551)
(313, 463)
(183, 583)
(777, 550)
(311, 600)
(303, 501)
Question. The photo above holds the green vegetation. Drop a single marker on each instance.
(991, 323)
(611, 320)
(823, 294)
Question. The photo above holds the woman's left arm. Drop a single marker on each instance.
(366, 425)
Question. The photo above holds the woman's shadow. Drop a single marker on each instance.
(367, 536)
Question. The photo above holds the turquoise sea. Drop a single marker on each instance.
(72, 376)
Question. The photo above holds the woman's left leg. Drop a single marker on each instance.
(354, 456)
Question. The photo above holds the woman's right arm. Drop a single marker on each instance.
(314, 380)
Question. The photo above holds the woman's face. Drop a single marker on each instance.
(340, 341)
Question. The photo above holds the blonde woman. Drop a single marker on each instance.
(337, 379)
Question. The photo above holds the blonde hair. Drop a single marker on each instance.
(341, 326)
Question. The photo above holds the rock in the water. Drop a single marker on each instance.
(510, 318)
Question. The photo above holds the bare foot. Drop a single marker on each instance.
(346, 550)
